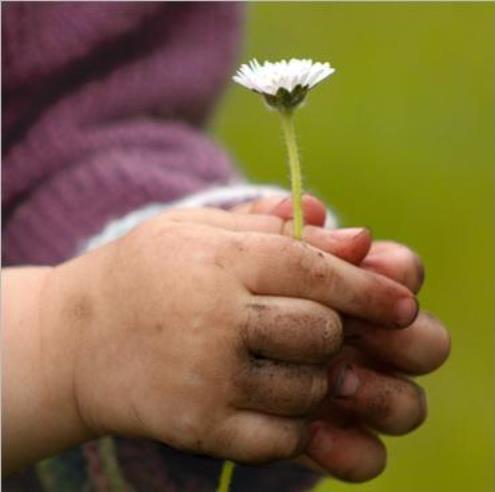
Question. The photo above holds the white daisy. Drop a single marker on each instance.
(284, 84)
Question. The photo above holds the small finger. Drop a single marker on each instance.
(397, 262)
(280, 388)
(291, 330)
(279, 266)
(387, 403)
(418, 349)
(350, 454)
(350, 244)
(256, 438)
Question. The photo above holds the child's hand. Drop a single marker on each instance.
(382, 397)
(212, 332)
(374, 397)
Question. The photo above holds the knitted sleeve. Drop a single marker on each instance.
(103, 109)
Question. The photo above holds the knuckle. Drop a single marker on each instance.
(318, 389)
(316, 267)
(234, 244)
(230, 248)
(289, 441)
(275, 243)
(332, 334)
(294, 252)
(294, 441)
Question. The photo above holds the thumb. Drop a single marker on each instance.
(351, 245)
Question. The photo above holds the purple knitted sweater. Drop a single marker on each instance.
(103, 105)
(102, 108)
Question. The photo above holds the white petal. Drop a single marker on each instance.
(269, 77)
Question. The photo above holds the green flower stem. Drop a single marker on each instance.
(295, 170)
(226, 476)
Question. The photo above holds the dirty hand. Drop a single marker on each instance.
(372, 394)
(211, 331)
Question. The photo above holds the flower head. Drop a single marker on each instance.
(283, 84)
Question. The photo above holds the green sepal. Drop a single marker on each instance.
(285, 100)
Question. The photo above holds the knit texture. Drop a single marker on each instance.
(103, 105)
(102, 108)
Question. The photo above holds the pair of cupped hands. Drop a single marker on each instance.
(217, 333)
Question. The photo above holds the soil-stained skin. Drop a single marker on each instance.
(270, 331)
(390, 404)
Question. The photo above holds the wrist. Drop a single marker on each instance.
(39, 416)
(65, 318)
(91, 309)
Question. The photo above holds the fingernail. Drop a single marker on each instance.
(347, 383)
(348, 233)
(406, 311)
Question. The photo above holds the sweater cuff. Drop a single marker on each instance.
(224, 197)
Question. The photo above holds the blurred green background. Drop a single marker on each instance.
(400, 138)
